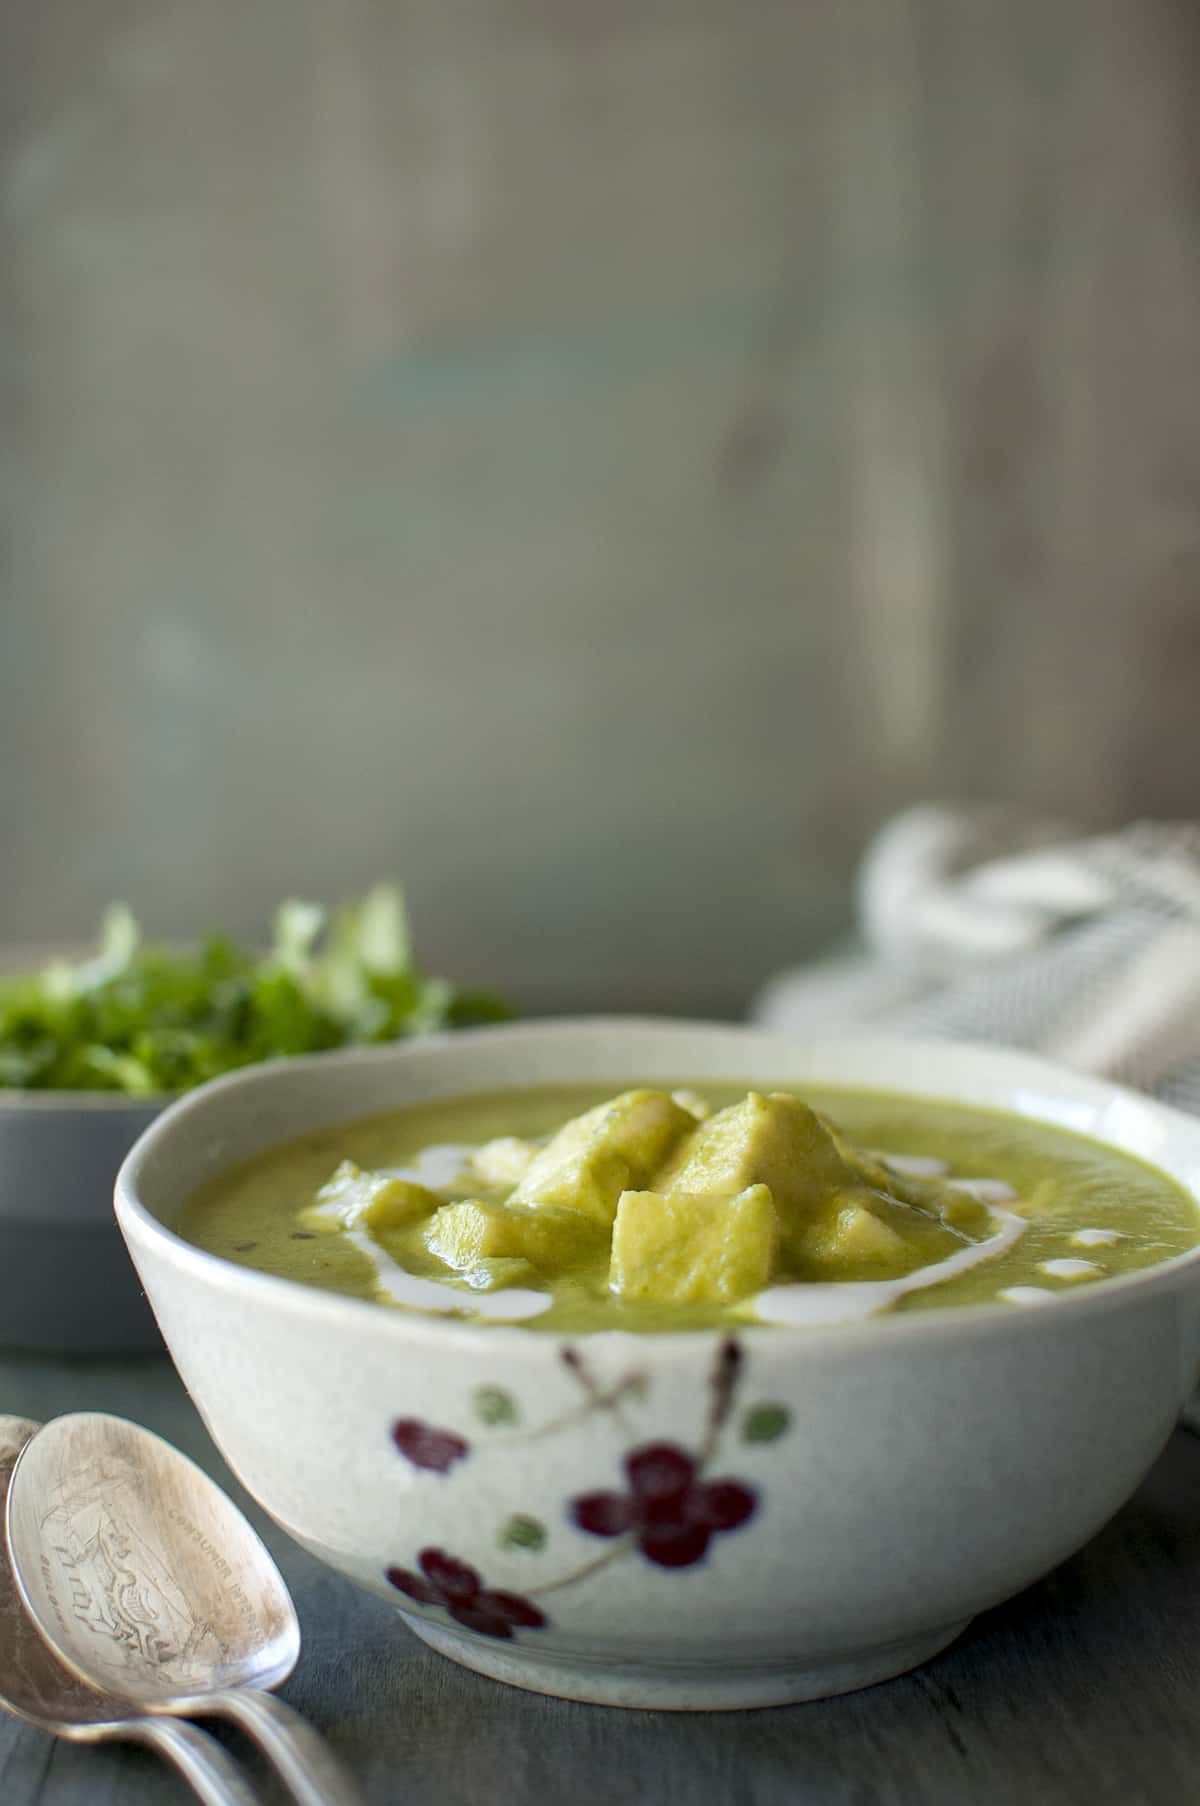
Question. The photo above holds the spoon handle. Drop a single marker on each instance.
(212, 1774)
(302, 1758)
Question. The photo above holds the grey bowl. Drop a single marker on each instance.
(66, 1282)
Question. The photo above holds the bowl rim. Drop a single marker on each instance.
(139, 1223)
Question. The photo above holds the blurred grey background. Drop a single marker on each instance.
(593, 461)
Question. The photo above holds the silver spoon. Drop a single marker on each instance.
(38, 1689)
(146, 1580)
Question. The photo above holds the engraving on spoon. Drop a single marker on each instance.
(111, 1579)
(32, 1681)
(233, 1587)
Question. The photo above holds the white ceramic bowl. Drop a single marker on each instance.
(870, 1488)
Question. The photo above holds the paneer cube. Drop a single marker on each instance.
(502, 1162)
(775, 1141)
(934, 1196)
(860, 1235)
(616, 1147)
(358, 1199)
(865, 1234)
(694, 1247)
(962, 1210)
(463, 1235)
(694, 1102)
(867, 1167)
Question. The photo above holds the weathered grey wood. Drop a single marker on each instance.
(579, 455)
(1083, 1692)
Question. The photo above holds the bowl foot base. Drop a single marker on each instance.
(666, 1688)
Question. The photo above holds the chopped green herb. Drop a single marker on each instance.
(145, 1019)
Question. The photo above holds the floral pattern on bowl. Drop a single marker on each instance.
(669, 1511)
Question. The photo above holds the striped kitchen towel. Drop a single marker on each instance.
(986, 924)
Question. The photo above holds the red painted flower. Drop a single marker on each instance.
(428, 1447)
(444, 1581)
(673, 1513)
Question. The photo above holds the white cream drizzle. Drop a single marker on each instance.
(403, 1287)
(1069, 1269)
(437, 1167)
(838, 1301)
(1096, 1238)
(919, 1166)
(988, 1191)
(1026, 1295)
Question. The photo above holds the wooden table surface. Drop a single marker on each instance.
(1084, 1690)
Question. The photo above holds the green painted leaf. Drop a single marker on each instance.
(765, 1423)
(522, 1532)
(494, 1406)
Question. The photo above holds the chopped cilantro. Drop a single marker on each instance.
(146, 1019)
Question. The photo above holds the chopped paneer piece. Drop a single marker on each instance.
(465, 1234)
(922, 1190)
(809, 1166)
(864, 1234)
(694, 1247)
(355, 1199)
(913, 1183)
(867, 1167)
(962, 1210)
(616, 1147)
(504, 1161)
(693, 1103)
(860, 1235)
(497, 1275)
(774, 1141)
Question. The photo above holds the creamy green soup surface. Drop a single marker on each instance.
(574, 1208)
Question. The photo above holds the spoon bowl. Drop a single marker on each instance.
(37, 1688)
(146, 1581)
(142, 1575)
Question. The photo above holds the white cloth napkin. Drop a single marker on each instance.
(989, 924)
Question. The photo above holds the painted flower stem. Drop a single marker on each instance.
(723, 1385)
(598, 1399)
(587, 1569)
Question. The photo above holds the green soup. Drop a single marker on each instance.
(573, 1210)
